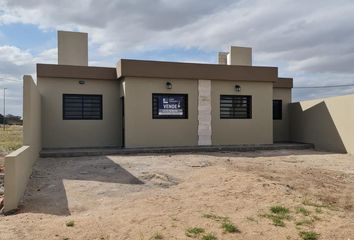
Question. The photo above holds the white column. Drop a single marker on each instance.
(204, 112)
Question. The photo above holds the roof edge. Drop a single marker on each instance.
(283, 83)
(79, 72)
(180, 70)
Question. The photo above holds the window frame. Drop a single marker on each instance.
(155, 112)
(281, 109)
(233, 115)
(82, 107)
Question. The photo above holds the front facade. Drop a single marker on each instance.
(160, 104)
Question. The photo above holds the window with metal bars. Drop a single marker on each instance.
(82, 107)
(277, 109)
(235, 107)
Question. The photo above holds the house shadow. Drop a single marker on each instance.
(46, 192)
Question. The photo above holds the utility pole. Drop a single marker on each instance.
(3, 119)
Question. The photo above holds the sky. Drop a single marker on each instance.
(311, 41)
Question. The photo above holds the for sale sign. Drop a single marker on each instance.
(170, 105)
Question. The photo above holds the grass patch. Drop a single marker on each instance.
(230, 228)
(279, 210)
(10, 139)
(278, 214)
(209, 236)
(303, 211)
(194, 232)
(226, 224)
(70, 224)
(216, 217)
(309, 235)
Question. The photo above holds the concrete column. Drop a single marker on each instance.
(204, 112)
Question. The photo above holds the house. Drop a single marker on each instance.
(158, 104)
(165, 104)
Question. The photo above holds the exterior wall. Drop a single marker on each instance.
(281, 128)
(143, 131)
(59, 133)
(327, 123)
(18, 164)
(258, 130)
(72, 48)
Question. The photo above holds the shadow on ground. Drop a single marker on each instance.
(46, 191)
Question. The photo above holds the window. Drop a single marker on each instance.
(235, 107)
(82, 107)
(277, 109)
(169, 106)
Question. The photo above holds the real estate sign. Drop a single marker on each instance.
(170, 105)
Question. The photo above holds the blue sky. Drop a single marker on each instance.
(313, 42)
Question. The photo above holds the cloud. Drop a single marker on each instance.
(292, 30)
(312, 41)
(14, 63)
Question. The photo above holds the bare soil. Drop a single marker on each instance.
(160, 196)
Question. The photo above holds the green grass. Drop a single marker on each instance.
(209, 236)
(303, 211)
(194, 232)
(278, 214)
(230, 228)
(279, 210)
(278, 222)
(309, 235)
(10, 139)
(70, 223)
(226, 224)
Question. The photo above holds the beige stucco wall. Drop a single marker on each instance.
(141, 130)
(258, 130)
(18, 164)
(59, 133)
(72, 48)
(281, 128)
(327, 123)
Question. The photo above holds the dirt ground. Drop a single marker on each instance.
(161, 196)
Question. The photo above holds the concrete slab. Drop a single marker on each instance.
(79, 152)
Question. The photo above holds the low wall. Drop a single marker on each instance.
(18, 164)
(327, 123)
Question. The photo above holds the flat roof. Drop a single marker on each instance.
(171, 70)
(158, 69)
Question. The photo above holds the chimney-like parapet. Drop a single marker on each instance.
(240, 56)
(72, 48)
(222, 58)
